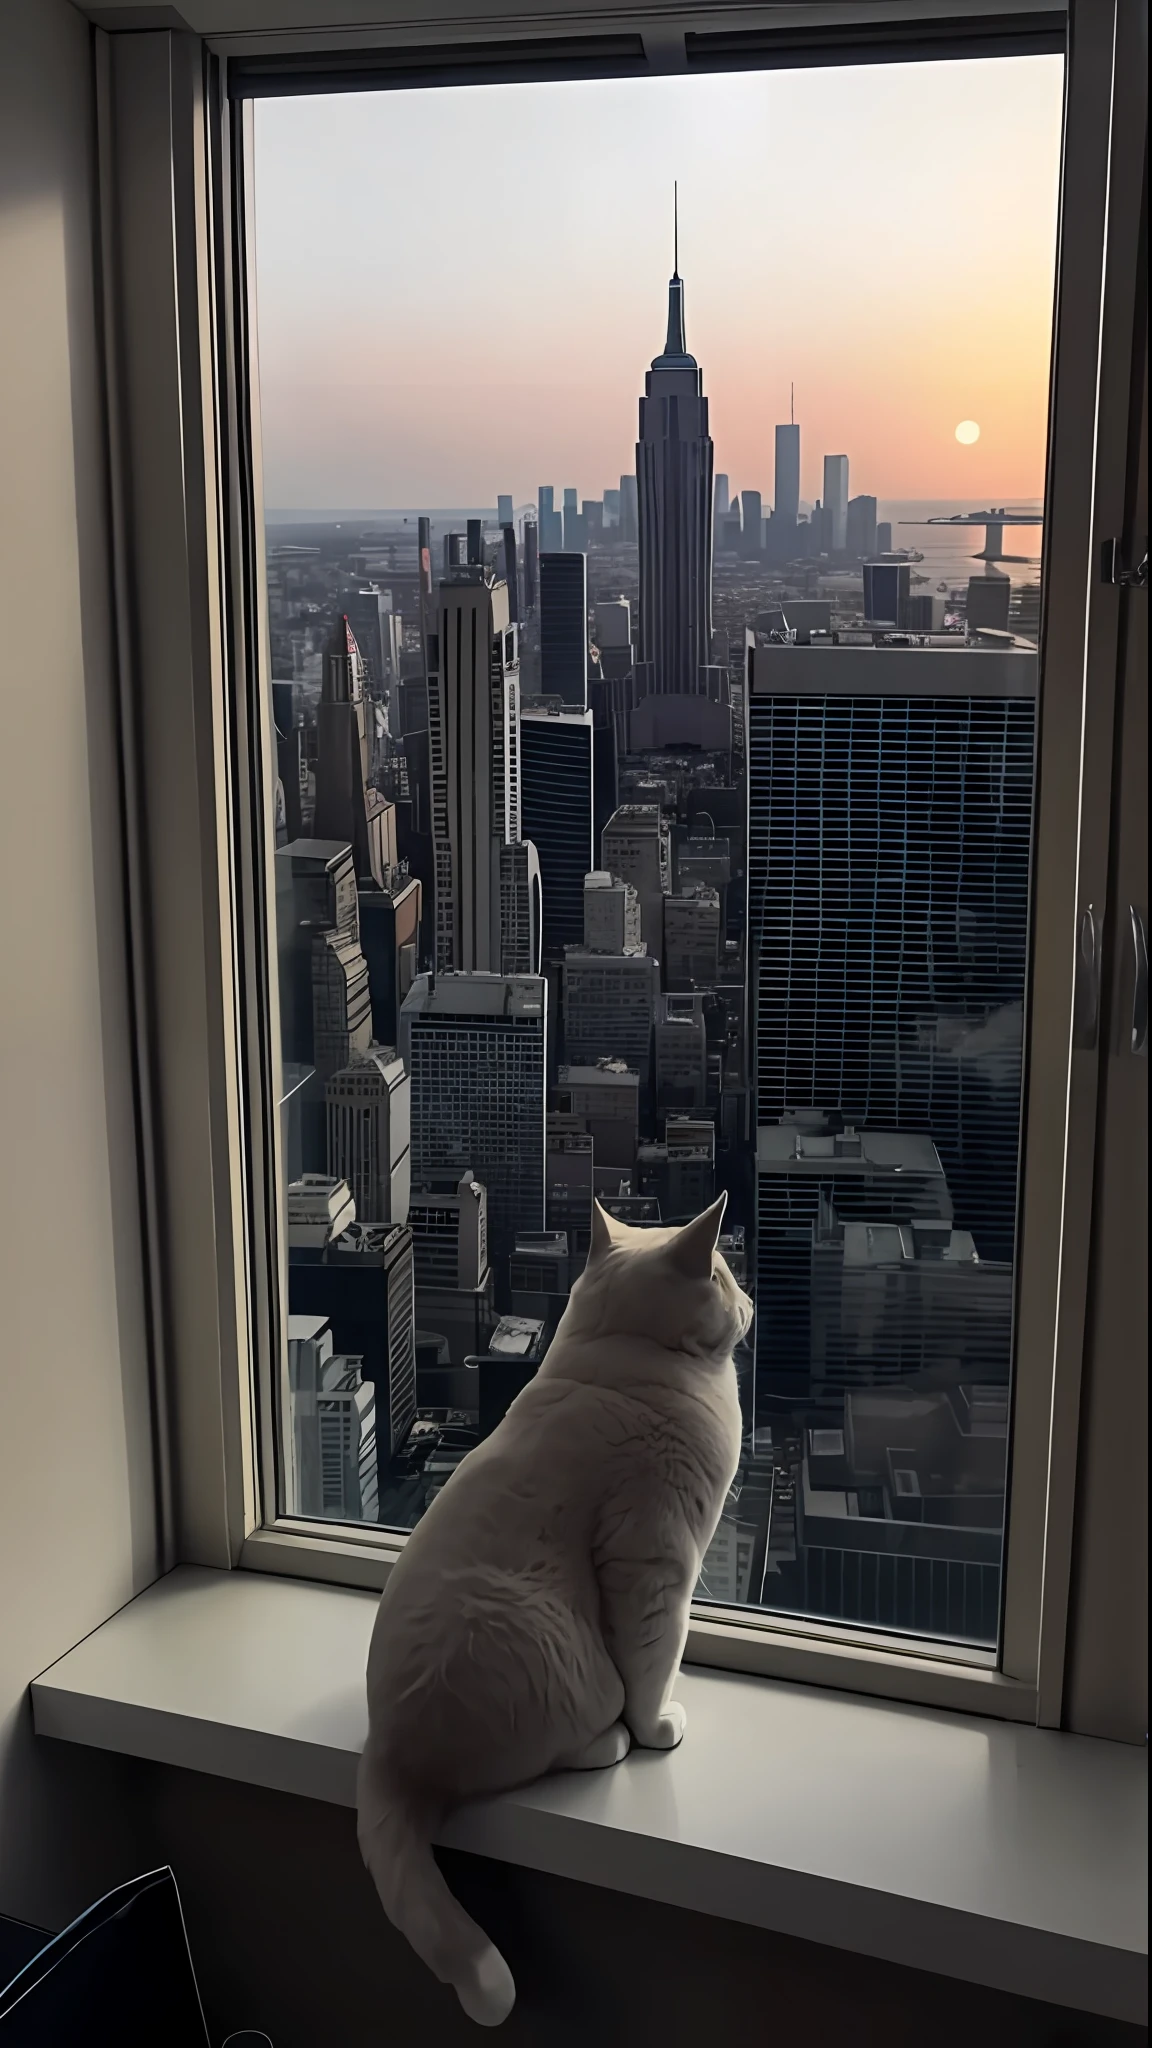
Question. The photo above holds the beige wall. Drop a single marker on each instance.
(77, 1517)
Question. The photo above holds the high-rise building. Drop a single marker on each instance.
(573, 523)
(564, 628)
(503, 508)
(887, 588)
(521, 916)
(611, 914)
(474, 1045)
(895, 998)
(531, 565)
(362, 1283)
(836, 503)
(860, 527)
(612, 512)
(674, 498)
(720, 498)
(989, 599)
(786, 501)
(332, 1459)
(636, 845)
(449, 1228)
(568, 1182)
(752, 522)
(692, 937)
(556, 784)
(473, 720)
(609, 1008)
(884, 537)
(511, 571)
(551, 522)
(341, 1002)
(369, 1134)
(681, 1041)
(390, 940)
(629, 509)
(346, 807)
(613, 623)
(605, 1097)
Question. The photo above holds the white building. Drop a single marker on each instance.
(369, 1135)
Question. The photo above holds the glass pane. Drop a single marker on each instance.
(668, 832)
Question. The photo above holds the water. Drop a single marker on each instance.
(948, 552)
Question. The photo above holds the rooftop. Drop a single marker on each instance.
(475, 995)
(783, 1148)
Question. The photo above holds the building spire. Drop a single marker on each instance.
(675, 346)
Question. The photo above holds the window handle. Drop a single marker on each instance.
(1086, 993)
(1140, 985)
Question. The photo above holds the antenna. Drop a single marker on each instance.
(675, 228)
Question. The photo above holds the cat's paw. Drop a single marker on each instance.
(666, 1731)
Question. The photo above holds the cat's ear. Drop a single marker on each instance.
(602, 1231)
(693, 1247)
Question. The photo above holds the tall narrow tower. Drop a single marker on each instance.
(674, 505)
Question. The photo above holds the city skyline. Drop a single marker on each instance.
(441, 377)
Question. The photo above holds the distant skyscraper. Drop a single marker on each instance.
(504, 509)
(564, 628)
(752, 508)
(612, 511)
(551, 522)
(884, 537)
(474, 715)
(786, 502)
(860, 530)
(573, 524)
(474, 1047)
(629, 515)
(511, 571)
(531, 564)
(520, 912)
(836, 502)
(674, 486)
(720, 498)
(346, 808)
(556, 772)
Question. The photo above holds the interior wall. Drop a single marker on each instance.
(77, 1510)
(287, 1935)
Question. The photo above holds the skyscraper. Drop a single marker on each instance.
(504, 508)
(628, 509)
(551, 523)
(888, 873)
(564, 627)
(786, 502)
(752, 508)
(836, 503)
(674, 502)
(369, 1134)
(556, 815)
(636, 845)
(473, 721)
(860, 529)
(610, 1008)
(346, 808)
(474, 1045)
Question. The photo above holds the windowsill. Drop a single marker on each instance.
(1006, 1856)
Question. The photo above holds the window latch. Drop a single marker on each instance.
(1112, 569)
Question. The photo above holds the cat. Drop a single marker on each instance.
(536, 1618)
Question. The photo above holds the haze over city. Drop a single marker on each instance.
(457, 289)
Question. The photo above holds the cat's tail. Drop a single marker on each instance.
(395, 1842)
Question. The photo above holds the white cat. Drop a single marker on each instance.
(536, 1619)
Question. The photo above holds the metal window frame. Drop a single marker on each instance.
(189, 565)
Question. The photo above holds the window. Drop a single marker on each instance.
(721, 820)
(761, 719)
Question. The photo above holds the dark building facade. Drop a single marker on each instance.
(674, 509)
(556, 814)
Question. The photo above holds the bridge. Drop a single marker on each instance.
(993, 522)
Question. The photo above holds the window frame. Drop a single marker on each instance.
(184, 429)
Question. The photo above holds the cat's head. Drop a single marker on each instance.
(672, 1285)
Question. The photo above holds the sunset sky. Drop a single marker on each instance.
(459, 291)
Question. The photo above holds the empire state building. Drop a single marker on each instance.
(674, 504)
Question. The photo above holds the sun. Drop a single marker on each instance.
(967, 432)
